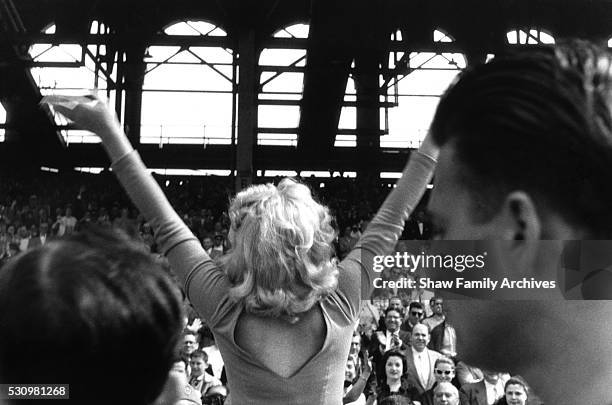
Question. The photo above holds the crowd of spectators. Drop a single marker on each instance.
(37, 205)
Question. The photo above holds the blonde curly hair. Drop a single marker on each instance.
(280, 261)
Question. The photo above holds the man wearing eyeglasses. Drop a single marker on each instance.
(416, 312)
(444, 372)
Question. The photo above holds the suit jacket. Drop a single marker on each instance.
(477, 392)
(412, 373)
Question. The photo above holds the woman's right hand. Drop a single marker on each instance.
(87, 112)
(93, 114)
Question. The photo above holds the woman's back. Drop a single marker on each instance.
(273, 341)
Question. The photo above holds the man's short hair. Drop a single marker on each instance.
(415, 304)
(192, 333)
(536, 120)
(94, 310)
(391, 309)
(199, 354)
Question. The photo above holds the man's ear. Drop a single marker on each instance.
(521, 219)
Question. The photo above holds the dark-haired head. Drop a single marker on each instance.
(536, 121)
(94, 310)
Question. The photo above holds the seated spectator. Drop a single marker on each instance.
(200, 379)
(93, 311)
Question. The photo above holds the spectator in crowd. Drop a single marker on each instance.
(526, 148)
(66, 224)
(209, 346)
(190, 343)
(415, 315)
(488, 391)
(90, 311)
(446, 393)
(23, 237)
(444, 371)
(217, 249)
(421, 360)
(517, 392)
(41, 239)
(443, 336)
(391, 339)
(279, 298)
(207, 244)
(395, 302)
(394, 381)
(199, 378)
(355, 381)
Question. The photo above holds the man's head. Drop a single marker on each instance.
(393, 319)
(396, 303)
(190, 342)
(446, 393)
(420, 337)
(198, 361)
(437, 305)
(207, 243)
(444, 369)
(416, 312)
(526, 148)
(92, 310)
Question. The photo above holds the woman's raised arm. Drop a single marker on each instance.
(380, 237)
(172, 235)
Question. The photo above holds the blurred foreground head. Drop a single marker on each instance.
(94, 311)
(526, 147)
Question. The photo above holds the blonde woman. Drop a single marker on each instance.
(282, 313)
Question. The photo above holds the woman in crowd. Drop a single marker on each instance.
(282, 313)
(517, 392)
(394, 381)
